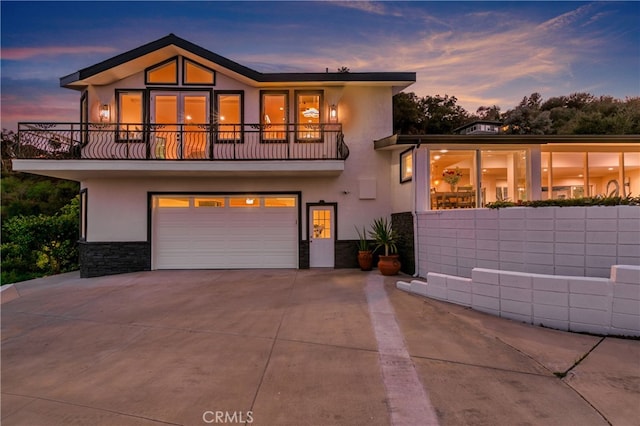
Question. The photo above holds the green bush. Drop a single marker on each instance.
(40, 245)
(598, 200)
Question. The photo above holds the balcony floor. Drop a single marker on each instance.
(79, 170)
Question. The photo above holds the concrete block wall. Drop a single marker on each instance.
(605, 306)
(576, 241)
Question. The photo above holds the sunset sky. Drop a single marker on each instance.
(484, 53)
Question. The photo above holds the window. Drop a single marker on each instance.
(130, 115)
(173, 202)
(194, 73)
(229, 108)
(504, 175)
(453, 179)
(308, 116)
(164, 73)
(631, 179)
(279, 201)
(248, 202)
(587, 173)
(321, 224)
(274, 116)
(406, 166)
(567, 175)
(209, 202)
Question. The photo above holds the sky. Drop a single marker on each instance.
(483, 53)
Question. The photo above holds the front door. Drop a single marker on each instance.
(181, 131)
(322, 236)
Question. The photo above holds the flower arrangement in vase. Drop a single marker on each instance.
(452, 177)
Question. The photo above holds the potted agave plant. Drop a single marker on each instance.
(383, 234)
(365, 255)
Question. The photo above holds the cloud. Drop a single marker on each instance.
(376, 8)
(480, 65)
(22, 53)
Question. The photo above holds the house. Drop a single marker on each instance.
(187, 159)
(479, 127)
(441, 183)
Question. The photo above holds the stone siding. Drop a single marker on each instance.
(110, 258)
(403, 224)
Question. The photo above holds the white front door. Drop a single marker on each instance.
(182, 117)
(321, 237)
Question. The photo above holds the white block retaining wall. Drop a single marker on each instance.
(577, 241)
(605, 306)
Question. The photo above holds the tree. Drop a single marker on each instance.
(408, 116)
(413, 115)
(528, 118)
(488, 113)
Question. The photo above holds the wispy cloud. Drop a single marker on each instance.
(22, 53)
(477, 65)
(376, 8)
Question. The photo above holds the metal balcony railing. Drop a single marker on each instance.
(224, 142)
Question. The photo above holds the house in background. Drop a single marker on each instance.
(479, 127)
(187, 159)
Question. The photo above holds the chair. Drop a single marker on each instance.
(466, 197)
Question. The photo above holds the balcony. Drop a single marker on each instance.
(81, 151)
(181, 142)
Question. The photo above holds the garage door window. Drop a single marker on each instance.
(247, 202)
(173, 202)
(209, 202)
(279, 202)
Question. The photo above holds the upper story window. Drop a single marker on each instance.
(130, 114)
(164, 73)
(229, 115)
(308, 115)
(194, 73)
(274, 107)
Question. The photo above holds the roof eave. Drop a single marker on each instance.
(399, 141)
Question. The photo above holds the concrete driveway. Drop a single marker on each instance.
(293, 347)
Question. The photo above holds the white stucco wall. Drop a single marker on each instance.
(118, 211)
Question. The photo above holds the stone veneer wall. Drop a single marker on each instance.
(580, 241)
(607, 306)
(402, 223)
(110, 258)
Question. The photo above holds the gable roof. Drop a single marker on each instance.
(171, 45)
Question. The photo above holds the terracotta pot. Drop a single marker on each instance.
(389, 265)
(365, 260)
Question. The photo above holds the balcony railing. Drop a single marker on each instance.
(227, 142)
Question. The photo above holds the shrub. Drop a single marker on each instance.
(40, 245)
(598, 200)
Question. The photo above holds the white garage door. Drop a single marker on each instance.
(225, 232)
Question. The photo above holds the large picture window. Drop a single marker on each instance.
(274, 116)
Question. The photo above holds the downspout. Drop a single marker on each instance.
(414, 209)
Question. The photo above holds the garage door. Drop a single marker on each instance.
(225, 232)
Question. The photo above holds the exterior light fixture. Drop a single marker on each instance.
(104, 113)
(333, 114)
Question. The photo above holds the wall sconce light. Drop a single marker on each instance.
(104, 113)
(333, 114)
